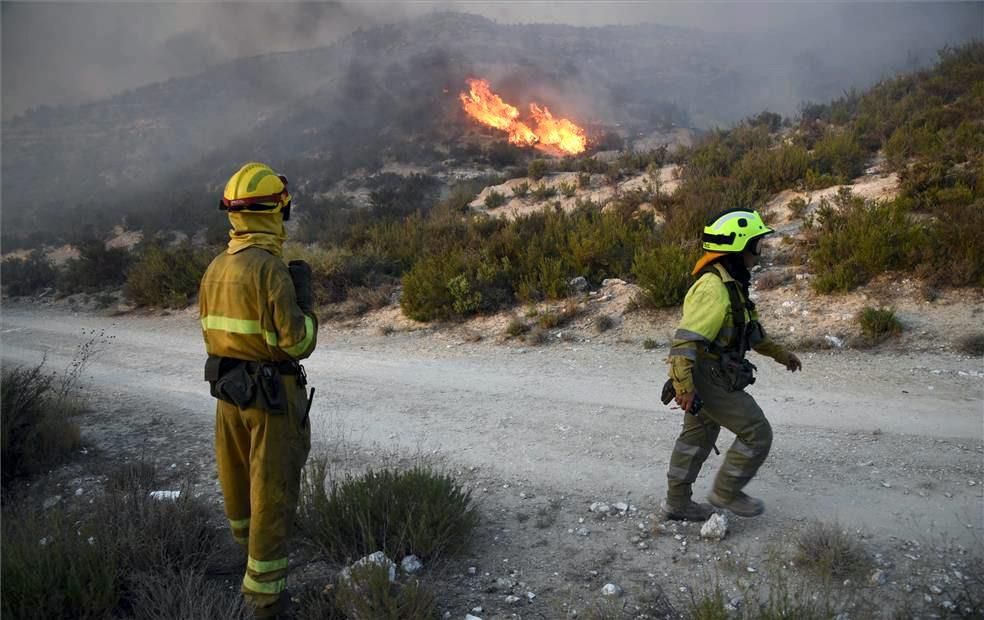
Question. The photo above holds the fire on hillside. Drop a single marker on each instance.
(557, 136)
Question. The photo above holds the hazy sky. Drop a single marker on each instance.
(71, 52)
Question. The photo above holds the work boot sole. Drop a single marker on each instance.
(695, 512)
(752, 509)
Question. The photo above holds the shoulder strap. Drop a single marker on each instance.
(738, 306)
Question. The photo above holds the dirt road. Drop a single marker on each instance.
(889, 444)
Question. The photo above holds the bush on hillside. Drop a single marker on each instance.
(97, 267)
(878, 325)
(663, 274)
(838, 153)
(520, 190)
(494, 200)
(165, 276)
(26, 276)
(851, 240)
(537, 169)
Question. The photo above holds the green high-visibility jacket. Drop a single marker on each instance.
(707, 323)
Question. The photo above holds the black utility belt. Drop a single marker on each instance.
(252, 384)
(738, 372)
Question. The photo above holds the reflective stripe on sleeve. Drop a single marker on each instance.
(690, 354)
(239, 524)
(246, 327)
(302, 346)
(688, 336)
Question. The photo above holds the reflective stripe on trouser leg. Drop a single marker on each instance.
(232, 449)
(738, 412)
(743, 459)
(689, 453)
(280, 445)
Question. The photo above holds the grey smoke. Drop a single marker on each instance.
(67, 53)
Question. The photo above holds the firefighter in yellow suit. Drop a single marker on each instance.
(257, 320)
(707, 361)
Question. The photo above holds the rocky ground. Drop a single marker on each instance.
(564, 447)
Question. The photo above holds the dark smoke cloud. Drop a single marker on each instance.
(56, 53)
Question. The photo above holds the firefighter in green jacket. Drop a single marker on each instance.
(709, 372)
(257, 320)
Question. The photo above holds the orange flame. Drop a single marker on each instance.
(557, 136)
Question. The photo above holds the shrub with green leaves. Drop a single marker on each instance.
(537, 169)
(29, 275)
(37, 430)
(828, 548)
(166, 276)
(878, 324)
(494, 200)
(520, 190)
(517, 327)
(852, 240)
(838, 153)
(61, 564)
(543, 191)
(567, 190)
(663, 274)
(417, 511)
(97, 267)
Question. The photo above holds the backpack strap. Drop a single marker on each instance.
(738, 307)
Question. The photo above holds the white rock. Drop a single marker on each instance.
(512, 599)
(472, 570)
(379, 559)
(160, 495)
(877, 578)
(411, 564)
(478, 610)
(530, 596)
(600, 507)
(583, 531)
(610, 589)
(715, 528)
(834, 341)
(621, 506)
(471, 617)
(935, 590)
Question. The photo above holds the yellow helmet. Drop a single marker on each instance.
(732, 230)
(256, 187)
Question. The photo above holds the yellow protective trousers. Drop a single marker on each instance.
(260, 456)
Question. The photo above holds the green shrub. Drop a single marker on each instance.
(417, 512)
(517, 327)
(426, 295)
(96, 267)
(852, 240)
(37, 431)
(548, 320)
(26, 276)
(797, 207)
(567, 189)
(184, 593)
(368, 593)
(494, 199)
(838, 153)
(97, 562)
(543, 191)
(537, 169)
(815, 180)
(663, 274)
(878, 324)
(829, 549)
(584, 180)
(464, 300)
(650, 344)
(166, 277)
(603, 323)
(520, 190)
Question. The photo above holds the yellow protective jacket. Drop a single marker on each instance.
(248, 308)
(707, 322)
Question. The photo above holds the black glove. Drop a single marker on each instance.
(300, 275)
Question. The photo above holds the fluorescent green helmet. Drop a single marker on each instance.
(732, 230)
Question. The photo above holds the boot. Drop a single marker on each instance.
(742, 505)
(691, 511)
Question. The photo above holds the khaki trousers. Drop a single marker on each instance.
(736, 411)
(260, 456)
